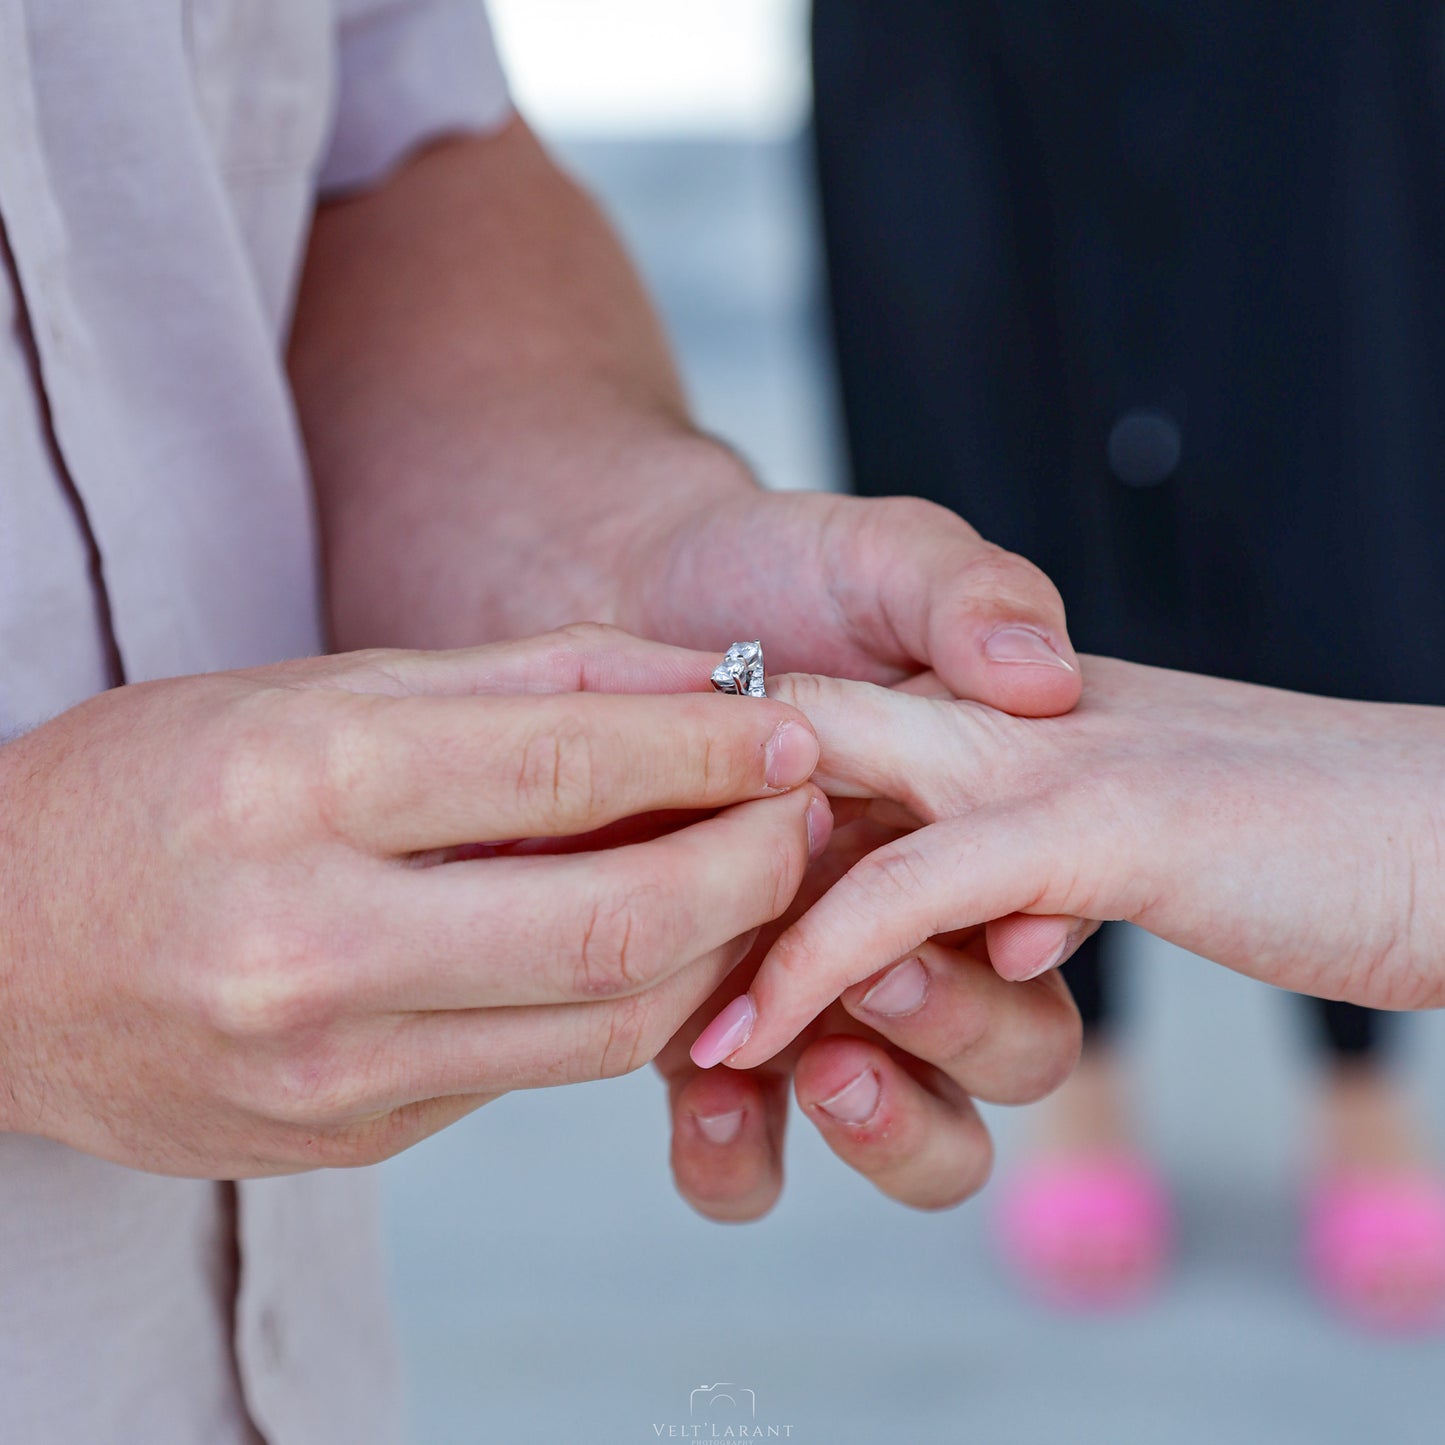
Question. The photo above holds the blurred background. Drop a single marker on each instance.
(549, 1283)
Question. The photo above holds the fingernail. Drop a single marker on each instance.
(820, 827)
(1055, 958)
(900, 992)
(1023, 644)
(791, 756)
(720, 1128)
(856, 1102)
(726, 1034)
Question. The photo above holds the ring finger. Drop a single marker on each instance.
(907, 1129)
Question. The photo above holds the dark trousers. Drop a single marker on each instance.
(1153, 292)
(1343, 1030)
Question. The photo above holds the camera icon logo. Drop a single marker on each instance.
(723, 1402)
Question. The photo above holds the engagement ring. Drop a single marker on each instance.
(741, 670)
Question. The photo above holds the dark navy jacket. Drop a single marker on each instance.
(1154, 293)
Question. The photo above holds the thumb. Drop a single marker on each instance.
(989, 622)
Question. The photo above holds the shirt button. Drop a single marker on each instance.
(1145, 447)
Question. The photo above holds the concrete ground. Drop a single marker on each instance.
(551, 1287)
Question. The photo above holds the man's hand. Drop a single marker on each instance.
(878, 590)
(500, 443)
(271, 920)
(1296, 839)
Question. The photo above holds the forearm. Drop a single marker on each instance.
(493, 419)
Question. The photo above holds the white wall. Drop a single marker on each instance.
(637, 67)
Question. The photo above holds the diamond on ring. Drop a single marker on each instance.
(741, 670)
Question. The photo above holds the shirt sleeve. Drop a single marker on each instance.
(408, 71)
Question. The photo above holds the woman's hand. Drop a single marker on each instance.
(1300, 840)
(888, 1077)
(246, 923)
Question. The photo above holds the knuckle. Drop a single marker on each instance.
(270, 987)
(891, 878)
(558, 661)
(885, 884)
(308, 1087)
(378, 669)
(243, 786)
(589, 634)
(707, 770)
(346, 753)
(628, 1038)
(810, 692)
(719, 753)
(1006, 577)
(716, 764)
(557, 777)
(793, 966)
(619, 944)
(243, 776)
(570, 647)
(284, 762)
(894, 513)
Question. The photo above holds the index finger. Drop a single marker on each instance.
(581, 657)
(945, 877)
(403, 775)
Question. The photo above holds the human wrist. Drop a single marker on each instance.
(684, 487)
(609, 548)
(1423, 801)
(593, 527)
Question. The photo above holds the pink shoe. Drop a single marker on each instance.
(1087, 1231)
(1375, 1244)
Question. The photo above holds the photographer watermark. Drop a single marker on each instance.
(722, 1411)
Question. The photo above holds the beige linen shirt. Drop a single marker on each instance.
(159, 161)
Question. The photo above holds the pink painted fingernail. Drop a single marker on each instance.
(720, 1128)
(791, 756)
(820, 827)
(1016, 643)
(900, 992)
(726, 1034)
(857, 1101)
